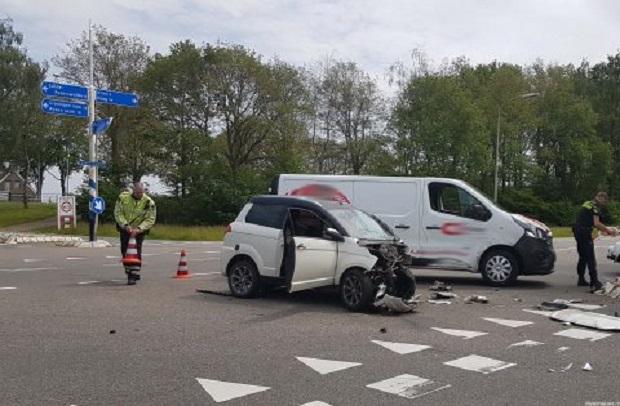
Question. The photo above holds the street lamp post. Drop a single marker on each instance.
(497, 140)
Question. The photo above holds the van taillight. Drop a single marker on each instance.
(229, 228)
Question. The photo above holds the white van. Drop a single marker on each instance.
(447, 223)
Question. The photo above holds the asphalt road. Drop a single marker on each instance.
(60, 306)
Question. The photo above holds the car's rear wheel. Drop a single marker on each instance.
(243, 278)
(499, 268)
(356, 290)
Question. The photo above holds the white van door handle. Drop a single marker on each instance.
(301, 247)
(433, 228)
(405, 226)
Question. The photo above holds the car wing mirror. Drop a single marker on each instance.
(334, 234)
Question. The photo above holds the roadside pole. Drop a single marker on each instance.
(92, 148)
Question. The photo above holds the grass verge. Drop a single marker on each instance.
(159, 232)
(12, 213)
(561, 232)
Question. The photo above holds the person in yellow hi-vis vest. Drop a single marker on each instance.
(134, 214)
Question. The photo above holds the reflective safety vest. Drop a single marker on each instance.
(129, 211)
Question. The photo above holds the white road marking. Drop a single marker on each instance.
(8, 288)
(206, 273)
(316, 403)
(75, 258)
(325, 366)
(526, 343)
(562, 349)
(508, 323)
(223, 391)
(480, 364)
(112, 257)
(466, 334)
(212, 252)
(540, 312)
(88, 282)
(408, 386)
(581, 334)
(28, 269)
(401, 348)
(32, 260)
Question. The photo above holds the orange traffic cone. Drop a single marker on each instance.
(131, 258)
(182, 271)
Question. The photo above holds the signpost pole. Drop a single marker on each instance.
(92, 150)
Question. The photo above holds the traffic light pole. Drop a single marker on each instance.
(92, 145)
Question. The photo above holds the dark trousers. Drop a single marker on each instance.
(587, 258)
(125, 242)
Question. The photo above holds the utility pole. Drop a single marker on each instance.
(92, 149)
(497, 161)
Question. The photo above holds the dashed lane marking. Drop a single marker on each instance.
(581, 334)
(480, 364)
(508, 323)
(206, 273)
(222, 391)
(408, 386)
(75, 258)
(324, 366)
(32, 260)
(466, 334)
(8, 288)
(526, 343)
(28, 269)
(316, 403)
(88, 282)
(402, 348)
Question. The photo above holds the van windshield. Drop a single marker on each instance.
(359, 224)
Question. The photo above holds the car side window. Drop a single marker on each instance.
(266, 215)
(307, 224)
(451, 199)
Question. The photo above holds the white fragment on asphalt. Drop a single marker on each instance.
(540, 312)
(581, 334)
(562, 349)
(466, 334)
(222, 391)
(324, 366)
(526, 343)
(435, 301)
(508, 323)
(480, 364)
(402, 348)
(566, 368)
(408, 386)
(87, 282)
(316, 403)
(7, 288)
(587, 367)
(28, 269)
(598, 321)
(576, 304)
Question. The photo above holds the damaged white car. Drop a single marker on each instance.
(302, 243)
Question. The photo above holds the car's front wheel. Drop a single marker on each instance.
(243, 278)
(499, 267)
(356, 290)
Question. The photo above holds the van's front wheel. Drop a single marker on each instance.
(499, 268)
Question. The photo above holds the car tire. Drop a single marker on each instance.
(243, 278)
(356, 290)
(499, 268)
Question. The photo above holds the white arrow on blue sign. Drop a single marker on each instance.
(97, 205)
(61, 108)
(117, 98)
(54, 89)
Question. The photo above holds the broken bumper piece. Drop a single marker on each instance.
(395, 304)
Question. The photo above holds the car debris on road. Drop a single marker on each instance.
(597, 321)
(565, 369)
(476, 299)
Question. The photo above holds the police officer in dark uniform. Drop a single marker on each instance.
(588, 218)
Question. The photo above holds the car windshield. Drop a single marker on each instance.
(359, 224)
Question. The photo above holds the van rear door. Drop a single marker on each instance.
(396, 202)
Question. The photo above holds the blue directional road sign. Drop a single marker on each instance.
(54, 89)
(62, 108)
(92, 163)
(117, 98)
(97, 205)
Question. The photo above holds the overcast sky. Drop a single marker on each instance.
(373, 33)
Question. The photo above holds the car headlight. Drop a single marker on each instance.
(530, 229)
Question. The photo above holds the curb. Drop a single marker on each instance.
(20, 238)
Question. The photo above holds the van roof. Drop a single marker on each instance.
(363, 177)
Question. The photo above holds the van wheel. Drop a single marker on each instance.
(356, 290)
(243, 278)
(499, 268)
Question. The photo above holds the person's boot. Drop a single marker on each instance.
(596, 285)
(132, 278)
(582, 281)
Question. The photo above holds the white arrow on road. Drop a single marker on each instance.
(466, 334)
(325, 366)
(223, 391)
(401, 348)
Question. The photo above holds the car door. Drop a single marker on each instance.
(454, 224)
(316, 256)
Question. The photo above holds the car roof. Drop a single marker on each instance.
(298, 201)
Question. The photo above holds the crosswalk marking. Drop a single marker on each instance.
(401, 348)
(508, 323)
(581, 334)
(222, 391)
(466, 334)
(325, 366)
